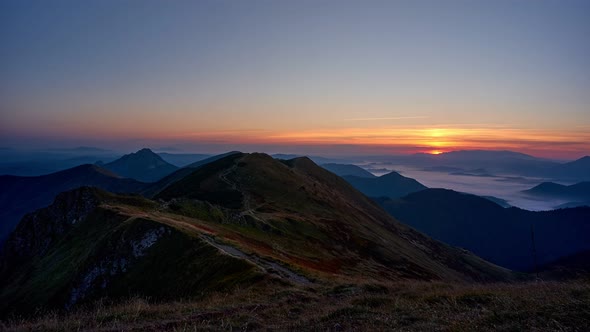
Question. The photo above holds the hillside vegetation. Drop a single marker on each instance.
(241, 220)
(406, 306)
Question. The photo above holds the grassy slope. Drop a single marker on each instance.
(294, 214)
(407, 306)
(307, 217)
(179, 264)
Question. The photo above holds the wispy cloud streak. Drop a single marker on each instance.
(388, 118)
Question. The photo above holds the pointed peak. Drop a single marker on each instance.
(392, 174)
(145, 151)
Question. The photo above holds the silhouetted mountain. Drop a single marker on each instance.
(502, 236)
(347, 169)
(238, 220)
(20, 195)
(572, 204)
(577, 169)
(578, 191)
(182, 159)
(391, 185)
(143, 165)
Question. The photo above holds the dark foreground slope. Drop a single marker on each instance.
(500, 235)
(23, 194)
(239, 219)
(391, 306)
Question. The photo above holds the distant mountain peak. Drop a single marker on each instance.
(392, 174)
(145, 150)
(392, 185)
(347, 169)
(143, 165)
(578, 191)
(488, 153)
(143, 153)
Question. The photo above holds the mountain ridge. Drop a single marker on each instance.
(347, 169)
(22, 194)
(391, 185)
(497, 234)
(239, 220)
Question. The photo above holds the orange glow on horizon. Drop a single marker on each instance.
(433, 140)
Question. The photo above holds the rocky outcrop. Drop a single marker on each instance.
(39, 230)
(122, 255)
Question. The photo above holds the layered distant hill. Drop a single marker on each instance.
(143, 165)
(575, 195)
(235, 221)
(391, 185)
(347, 169)
(501, 162)
(19, 195)
(577, 169)
(34, 163)
(485, 161)
(183, 159)
(578, 191)
(500, 235)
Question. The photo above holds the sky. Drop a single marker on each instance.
(324, 77)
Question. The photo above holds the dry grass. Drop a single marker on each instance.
(408, 306)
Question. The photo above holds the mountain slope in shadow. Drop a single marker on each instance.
(21, 194)
(500, 235)
(392, 185)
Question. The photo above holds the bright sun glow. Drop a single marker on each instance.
(435, 152)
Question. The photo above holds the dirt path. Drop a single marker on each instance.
(266, 265)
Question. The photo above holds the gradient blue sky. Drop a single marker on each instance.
(348, 76)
